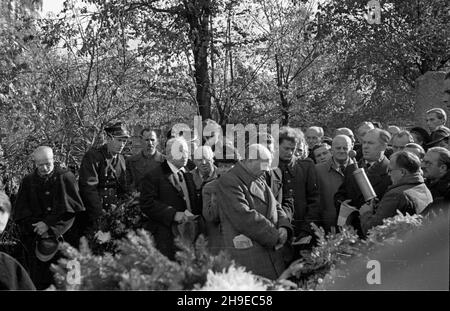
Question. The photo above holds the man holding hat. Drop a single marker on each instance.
(45, 208)
(103, 176)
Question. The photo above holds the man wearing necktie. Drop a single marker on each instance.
(330, 176)
(375, 164)
(168, 197)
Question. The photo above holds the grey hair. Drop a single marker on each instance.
(40, 150)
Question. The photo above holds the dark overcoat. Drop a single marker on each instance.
(55, 200)
(409, 195)
(160, 200)
(301, 186)
(99, 185)
(138, 165)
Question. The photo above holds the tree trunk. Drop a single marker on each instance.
(284, 104)
(197, 15)
(284, 109)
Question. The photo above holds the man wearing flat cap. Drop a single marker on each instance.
(103, 177)
(47, 203)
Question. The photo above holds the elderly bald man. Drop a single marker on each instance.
(345, 131)
(168, 197)
(375, 164)
(205, 170)
(254, 226)
(330, 176)
(47, 202)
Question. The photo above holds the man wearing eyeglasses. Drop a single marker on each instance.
(407, 194)
(436, 169)
(146, 160)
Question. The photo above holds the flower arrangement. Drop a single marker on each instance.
(114, 224)
(138, 265)
(313, 268)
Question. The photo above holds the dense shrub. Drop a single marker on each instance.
(137, 264)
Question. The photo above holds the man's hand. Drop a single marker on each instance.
(40, 227)
(180, 217)
(367, 207)
(282, 237)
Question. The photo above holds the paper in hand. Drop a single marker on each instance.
(344, 212)
(242, 242)
(190, 215)
(304, 240)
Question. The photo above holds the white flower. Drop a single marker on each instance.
(235, 279)
(103, 237)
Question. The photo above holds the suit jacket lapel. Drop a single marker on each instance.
(376, 172)
(170, 176)
(272, 213)
(190, 185)
(276, 182)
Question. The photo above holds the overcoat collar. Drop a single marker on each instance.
(290, 165)
(332, 165)
(257, 187)
(411, 179)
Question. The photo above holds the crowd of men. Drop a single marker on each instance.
(260, 214)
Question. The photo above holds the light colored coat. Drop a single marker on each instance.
(330, 179)
(247, 207)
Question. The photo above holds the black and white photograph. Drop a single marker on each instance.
(224, 151)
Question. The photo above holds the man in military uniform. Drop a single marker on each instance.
(138, 164)
(103, 177)
(47, 202)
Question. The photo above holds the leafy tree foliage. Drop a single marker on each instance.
(381, 62)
